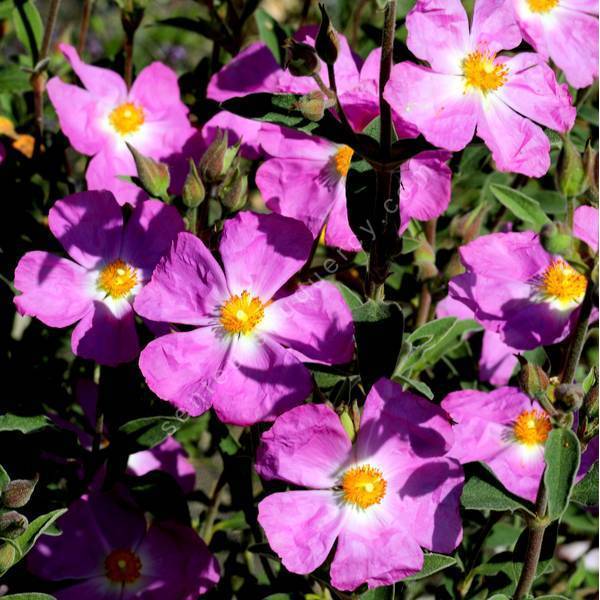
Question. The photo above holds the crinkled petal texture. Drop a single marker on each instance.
(484, 432)
(585, 225)
(306, 446)
(261, 252)
(315, 322)
(494, 26)
(501, 288)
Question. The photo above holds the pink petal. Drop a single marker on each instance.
(585, 225)
(89, 226)
(55, 290)
(532, 90)
(301, 527)
(438, 32)
(315, 322)
(108, 339)
(447, 119)
(149, 233)
(261, 252)
(260, 380)
(338, 232)
(306, 446)
(187, 285)
(517, 144)
(184, 368)
(498, 360)
(494, 26)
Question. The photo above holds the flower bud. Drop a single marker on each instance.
(570, 172)
(327, 43)
(312, 105)
(568, 397)
(193, 192)
(532, 378)
(18, 492)
(7, 557)
(12, 524)
(555, 239)
(301, 59)
(234, 191)
(212, 164)
(348, 424)
(425, 261)
(154, 176)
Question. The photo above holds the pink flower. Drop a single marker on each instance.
(497, 361)
(244, 357)
(565, 31)
(518, 290)
(99, 118)
(107, 552)
(507, 431)
(111, 262)
(384, 498)
(305, 177)
(468, 87)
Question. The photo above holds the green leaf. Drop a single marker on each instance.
(430, 342)
(421, 387)
(10, 422)
(562, 458)
(28, 26)
(522, 206)
(4, 478)
(13, 80)
(483, 491)
(29, 596)
(271, 33)
(378, 328)
(353, 300)
(147, 432)
(25, 542)
(380, 593)
(433, 563)
(551, 597)
(586, 491)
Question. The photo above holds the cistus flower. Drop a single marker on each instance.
(102, 116)
(111, 262)
(384, 499)
(244, 357)
(506, 430)
(468, 88)
(518, 290)
(497, 360)
(565, 31)
(106, 551)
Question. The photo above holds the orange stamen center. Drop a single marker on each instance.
(242, 313)
(363, 486)
(562, 284)
(342, 160)
(122, 566)
(127, 118)
(482, 73)
(117, 279)
(541, 6)
(532, 427)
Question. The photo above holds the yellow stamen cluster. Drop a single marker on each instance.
(532, 427)
(562, 283)
(117, 279)
(482, 73)
(242, 313)
(342, 160)
(363, 486)
(127, 118)
(541, 6)
(122, 566)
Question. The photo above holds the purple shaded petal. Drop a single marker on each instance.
(306, 446)
(494, 26)
(588, 458)
(438, 32)
(430, 503)
(248, 131)
(338, 232)
(315, 322)
(55, 290)
(96, 588)
(532, 90)
(184, 368)
(169, 457)
(447, 119)
(149, 233)
(106, 338)
(399, 429)
(585, 225)
(187, 285)
(103, 83)
(426, 186)
(89, 226)
(517, 144)
(301, 527)
(498, 360)
(260, 380)
(451, 307)
(514, 257)
(261, 252)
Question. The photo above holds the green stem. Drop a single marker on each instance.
(425, 298)
(99, 425)
(85, 25)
